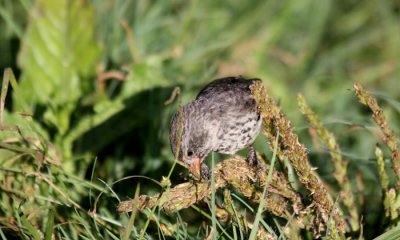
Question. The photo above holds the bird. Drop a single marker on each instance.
(223, 118)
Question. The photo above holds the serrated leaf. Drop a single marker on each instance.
(58, 54)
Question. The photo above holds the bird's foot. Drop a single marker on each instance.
(205, 172)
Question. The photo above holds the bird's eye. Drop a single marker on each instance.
(190, 153)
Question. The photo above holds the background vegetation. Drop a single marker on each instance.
(85, 114)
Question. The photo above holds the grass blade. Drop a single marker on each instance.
(253, 232)
(131, 222)
(393, 234)
(4, 90)
(50, 225)
(31, 229)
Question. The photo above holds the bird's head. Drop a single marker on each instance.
(192, 149)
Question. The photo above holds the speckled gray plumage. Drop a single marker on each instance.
(223, 118)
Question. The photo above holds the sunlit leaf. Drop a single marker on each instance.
(58, 55)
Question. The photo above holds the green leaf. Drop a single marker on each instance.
(58, 54)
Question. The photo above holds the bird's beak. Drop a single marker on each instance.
(194, 167)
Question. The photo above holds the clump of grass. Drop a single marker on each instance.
(39, 198)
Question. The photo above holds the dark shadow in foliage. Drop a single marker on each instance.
(131, 141)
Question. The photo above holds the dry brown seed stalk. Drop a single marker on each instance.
(388, 135)
(340, 166)
(291, 148)
(234, 171)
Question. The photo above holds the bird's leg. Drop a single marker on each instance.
(205, 171)
(252, 157)
(253, 160)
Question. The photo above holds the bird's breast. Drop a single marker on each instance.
(237, 133)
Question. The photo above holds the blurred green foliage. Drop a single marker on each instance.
(94, 76)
